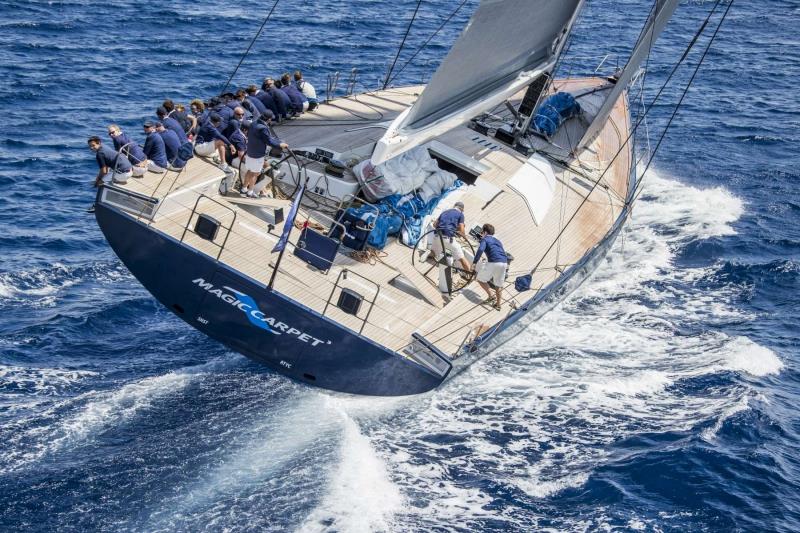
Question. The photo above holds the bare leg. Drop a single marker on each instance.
(220, 151)
(485, 287)
(499, 292)
(250, 179)
(465, 265)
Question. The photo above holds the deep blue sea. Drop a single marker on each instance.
(661, 396)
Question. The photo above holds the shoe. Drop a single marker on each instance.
(91, 209)
(496, 306)
(244, 191)
(489, 301)
(252, 194)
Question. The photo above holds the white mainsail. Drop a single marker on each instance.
(655, 24)
(505, 47)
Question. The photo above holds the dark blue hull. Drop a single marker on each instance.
(296, 341)
(251, 319)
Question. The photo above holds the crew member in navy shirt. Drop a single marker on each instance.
(282, 102)
(494, 269)
(210, 140)
(171, 124)
(258, 138)
(130, 149)
(299, 100)
(449, 224)
(266, 98)
(112, 166)
(154, 149)
(257, 104)
(171, 145)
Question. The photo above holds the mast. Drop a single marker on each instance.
(655, 24)
(505, 47)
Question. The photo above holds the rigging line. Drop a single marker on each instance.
(627, 140)
(442, 25)
(402, 44)
(697, 36)
(638, 190)
(252, 42)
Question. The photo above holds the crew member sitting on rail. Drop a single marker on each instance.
(449, 224)
(154, 149)
(171, 145)
(171, 124)
(130, 149)
(200, 114)
(178, 112)
(255, 103)
(298, 99)
(265, 95)
(210, 140)
(236, 151)
(494, 269)
(282, 102)
(225, 113)
(112, 165)
(239, 115)
(259, 137)
(307, 89)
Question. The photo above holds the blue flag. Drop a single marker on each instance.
(289, 224)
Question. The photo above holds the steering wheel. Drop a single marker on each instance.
(457, 277)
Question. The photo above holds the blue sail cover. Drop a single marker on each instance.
(397, 212)
(553, 112)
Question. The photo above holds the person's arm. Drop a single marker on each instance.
(461, 229)
(478, 253)
(99, 178)
(221, 137)
(275, 142)
(193, 121)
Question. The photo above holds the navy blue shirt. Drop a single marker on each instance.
(257, 104)
(494, 250)
(295, 97)
(266, 98)
(225, 113)
(173, 125)
(259, 136)
(131, 149)
(154, 149)
(171, 145)
(239, 141)
(282, 102)
(449, 221)
(108, 157)
(183, 119)
(208, 133)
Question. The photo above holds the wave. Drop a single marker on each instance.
(75, 422)
(630, 353)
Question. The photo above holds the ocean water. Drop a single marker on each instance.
(661, 396)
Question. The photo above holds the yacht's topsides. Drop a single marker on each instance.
(401, 296)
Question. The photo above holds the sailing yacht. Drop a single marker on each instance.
(329, 277)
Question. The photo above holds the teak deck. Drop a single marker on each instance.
(448, 322)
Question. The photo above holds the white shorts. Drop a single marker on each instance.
(254, 164)
(450, 244)
(494, 272)
(120, 178)
(205, 149)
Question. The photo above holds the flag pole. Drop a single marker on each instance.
(289, 224)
